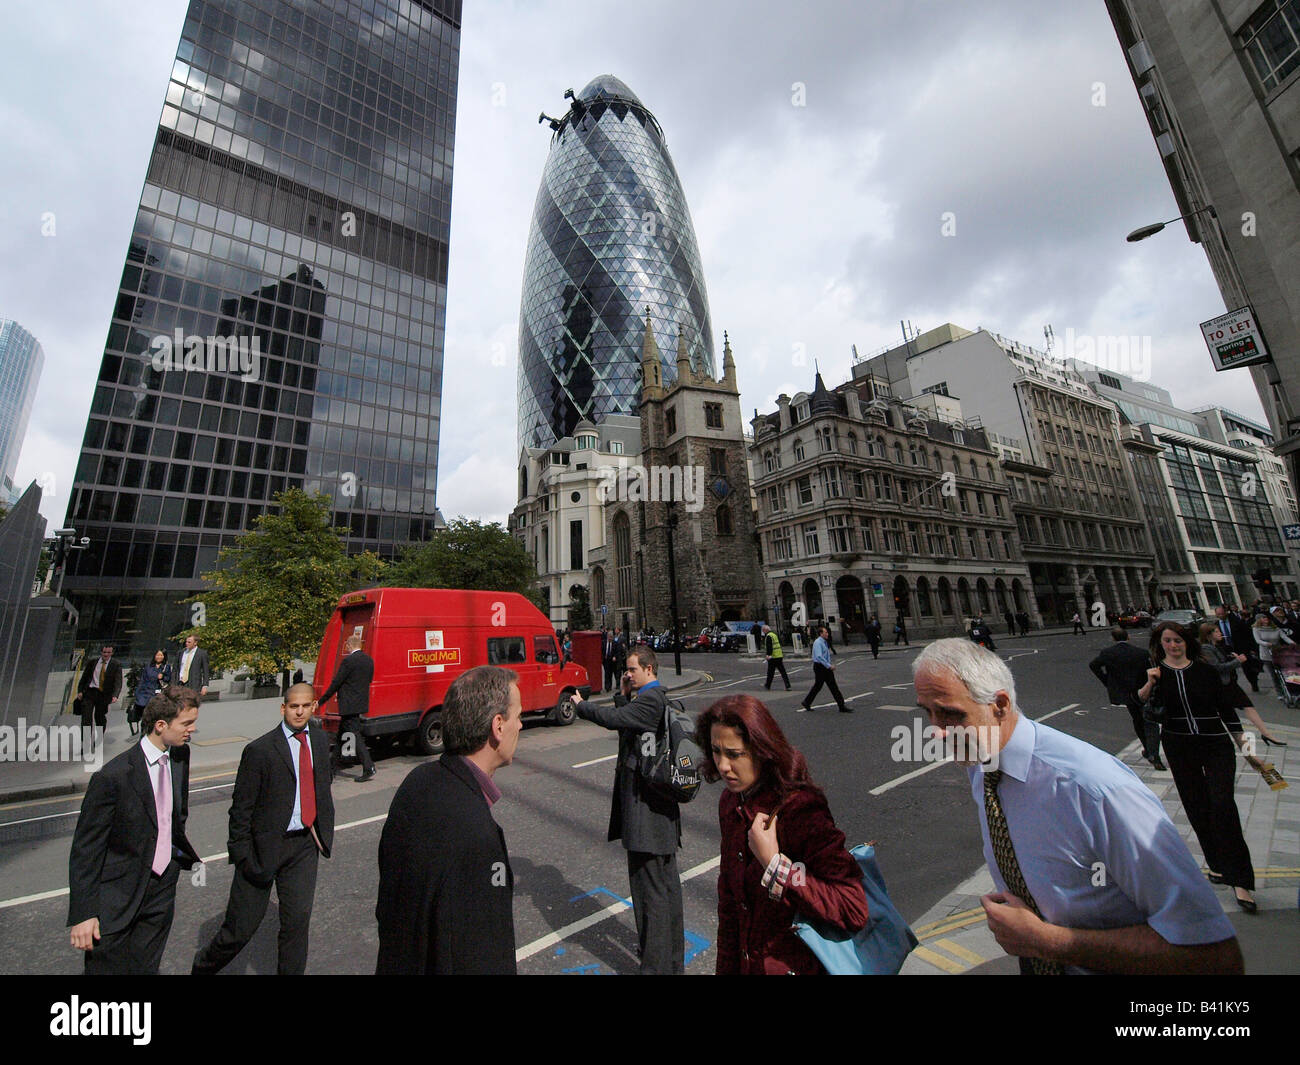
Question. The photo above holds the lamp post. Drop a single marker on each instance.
(1142, 232)
(672, 586)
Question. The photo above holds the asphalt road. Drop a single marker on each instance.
(570, 882)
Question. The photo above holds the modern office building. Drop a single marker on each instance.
(1220, 85)
(1084, 539)
(280, 317)
(1205, 492)
(611, 239)
(872, 505)
(21, 359)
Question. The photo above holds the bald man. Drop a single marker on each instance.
(281, 820)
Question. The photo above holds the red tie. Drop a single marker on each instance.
(306, 782)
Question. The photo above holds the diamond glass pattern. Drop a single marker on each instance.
(611, 237)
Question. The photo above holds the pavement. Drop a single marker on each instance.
(225, 726)
(955, 938)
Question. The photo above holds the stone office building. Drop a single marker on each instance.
(868, 505)
(1084, 537)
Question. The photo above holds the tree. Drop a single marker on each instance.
(276, 587)
(467, 554)
(579, 608)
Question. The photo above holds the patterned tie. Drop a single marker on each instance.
(306, 782)
(1005, 853)
(162, 801)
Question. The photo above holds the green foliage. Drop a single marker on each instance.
(276, 586)
(467, 554)
(579, 609)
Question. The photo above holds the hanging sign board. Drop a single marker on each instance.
(1234, 340)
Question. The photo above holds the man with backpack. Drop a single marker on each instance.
(775, 658)
(648, 823)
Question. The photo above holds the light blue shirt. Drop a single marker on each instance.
(1095, 846)
(295, 748)
(821, 652)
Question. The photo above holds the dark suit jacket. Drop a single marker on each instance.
(110, 683)
(117, 832)
(352, 684)
(645, 822)
(1242, 641)
(1122, 668)
(262, 804)
(200, 674)
(446, 889)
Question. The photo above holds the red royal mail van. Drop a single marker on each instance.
(424, 638)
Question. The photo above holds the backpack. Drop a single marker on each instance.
(670, 758)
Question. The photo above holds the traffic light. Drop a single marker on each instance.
(1263, 581)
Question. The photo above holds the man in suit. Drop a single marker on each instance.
(649, 826)
(1239, 640)
(99, 688)
(130, 844)
(352, 684)
(192, 666)
(281, 820)
(446, 889)
(1123, 669)
(612, 655)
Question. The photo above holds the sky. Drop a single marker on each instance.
(847, 167)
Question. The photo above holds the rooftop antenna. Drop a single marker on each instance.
(1049, 336)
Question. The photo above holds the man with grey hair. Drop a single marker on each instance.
(446, 889)
(1091, 875)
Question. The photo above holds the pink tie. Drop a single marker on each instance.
(162, 800)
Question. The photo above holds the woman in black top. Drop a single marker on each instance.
(1199, 727)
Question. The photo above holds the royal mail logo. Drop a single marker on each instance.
(440, 656)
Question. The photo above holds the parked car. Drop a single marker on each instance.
(1135, 619)
(1182, 617)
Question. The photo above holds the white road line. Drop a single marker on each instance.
(594, 761)
(561, 934)
(947, 761)
(7, 903)
(899, 706)
(74, 813)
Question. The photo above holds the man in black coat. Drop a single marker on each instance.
(281, 819)
(101, 684)
(649, 826)
(874, 635)
(1123, 669)
(122, 870)
(446, 889)
(352, 683)
(192, 666)
(613, 652)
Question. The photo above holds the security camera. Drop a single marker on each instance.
(65, 532)
(85, 541)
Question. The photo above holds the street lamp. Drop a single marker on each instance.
(672, 585)
(1143, 232)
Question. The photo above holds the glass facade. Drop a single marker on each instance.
(280, 317)
(21, 359)
(611, 237)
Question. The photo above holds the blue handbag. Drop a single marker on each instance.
(880, 948)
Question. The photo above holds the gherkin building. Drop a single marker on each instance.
(611, 238)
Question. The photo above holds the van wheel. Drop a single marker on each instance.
(428, 737)
(564, 712)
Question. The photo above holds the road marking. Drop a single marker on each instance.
(1019, 654)
(7, 903)
(73, 813)
(947, 761)
(896, 687)
(594, 761)
(898, 706)
(938, 960)
(949, 923)
(957, 950)
(561, 934)
(218, 742)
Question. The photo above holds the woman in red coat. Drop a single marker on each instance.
(781, 852)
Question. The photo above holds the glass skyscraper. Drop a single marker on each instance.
(21, 359)
(611, 236)
(280, 317)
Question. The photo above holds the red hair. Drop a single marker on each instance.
(779, 764)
